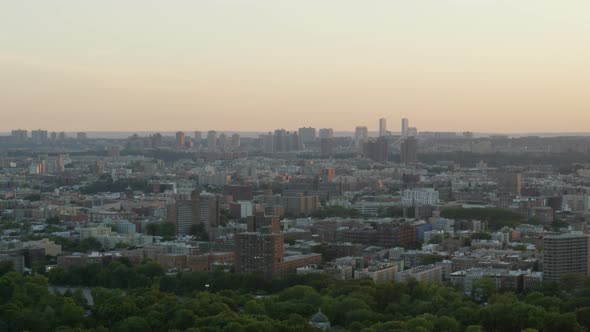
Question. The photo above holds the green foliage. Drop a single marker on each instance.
(164, 229)
(481, 236)
(200, 301)
(106, 184)
(199, 232)
(496, 218)
(52, 220)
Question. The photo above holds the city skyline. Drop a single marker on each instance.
(485, 66)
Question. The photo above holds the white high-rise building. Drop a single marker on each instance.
(382, 127)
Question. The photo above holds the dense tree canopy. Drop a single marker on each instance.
(144, 298)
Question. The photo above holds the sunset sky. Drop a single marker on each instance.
(258, 65)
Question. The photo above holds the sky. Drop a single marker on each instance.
(257, 65)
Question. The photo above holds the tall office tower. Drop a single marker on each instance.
(81, 136)
(39, 136)
(53, 136)
(19, 135)
(307, 135)
(235, 141)
(267, 143)
(361, 134)
(382, 127)
(326, 133)
(184, 213)
(377, 149)
(211, 139)
(509, 183)
(180, 140)
(198, 137)
(405, 126)
(222, 141)
(409, 151)
(326, 147)
(565, 254)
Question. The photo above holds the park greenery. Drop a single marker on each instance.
(336, 211)
(143, 297)
(495, 218)
(105, 183)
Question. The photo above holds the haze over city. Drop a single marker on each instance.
(456, 65)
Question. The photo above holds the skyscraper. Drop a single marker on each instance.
(405, 126)
(565, 254)
(409, 151)
(382, 127)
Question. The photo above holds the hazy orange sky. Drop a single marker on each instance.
(448, 65)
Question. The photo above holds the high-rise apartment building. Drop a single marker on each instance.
(377, 149)
(198, 137)
(180, 140)
(565, 254)
(260, 250)
(39, 136)
(307, 135)
(284, 141)
(326, 133)
(267, 143)
(185, 212)
(223, 141)
(19, 135)
(382, 127)
(409, 151)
